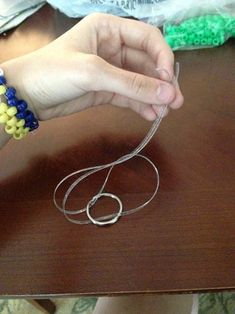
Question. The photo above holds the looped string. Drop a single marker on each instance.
(84, 173)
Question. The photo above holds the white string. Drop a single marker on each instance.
(84, 173)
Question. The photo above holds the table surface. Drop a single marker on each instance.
(184, 240)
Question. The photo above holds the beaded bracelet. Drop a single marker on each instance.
(14, 112)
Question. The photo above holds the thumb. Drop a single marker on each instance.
(134, 85)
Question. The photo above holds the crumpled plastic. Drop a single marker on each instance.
(13, 12)
(172, 14)
(139, 9)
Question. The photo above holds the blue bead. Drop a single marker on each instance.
(28, 125)
(10, 92)
(34, 125)
(29, 116)
(21, 115)
(22, 105)
(12, 101)
(2, 80)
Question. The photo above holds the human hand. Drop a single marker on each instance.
(102, 60)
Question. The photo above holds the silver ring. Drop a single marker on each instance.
(106, 222)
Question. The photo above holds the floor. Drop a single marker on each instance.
(210, 303)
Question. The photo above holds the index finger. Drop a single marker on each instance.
(142, 36)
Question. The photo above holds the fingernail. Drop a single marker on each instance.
(165, 93)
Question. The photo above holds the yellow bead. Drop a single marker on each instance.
(20, 130)
(4, 118)
(20, 123)
(2, 89)
(12, 121)
(11, 111)
(26, 131)
(18, 136)
(3, 107)
(10, 129)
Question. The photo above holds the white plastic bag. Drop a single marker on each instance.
(13, 12)
(139, 9)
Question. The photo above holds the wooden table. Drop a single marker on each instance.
(183, 241)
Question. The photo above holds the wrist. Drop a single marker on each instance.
(14, 74)
(15, 116)
(25, 74)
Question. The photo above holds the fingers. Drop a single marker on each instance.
(179, 99)
(146, 111)
(140, 62)
(139, 36)
(137, 61)
(145, 51)
(158, 110)
(137, 86)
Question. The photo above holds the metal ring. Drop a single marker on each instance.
(106, 222)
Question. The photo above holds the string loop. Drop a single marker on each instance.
(84, 173)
